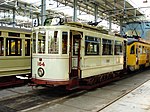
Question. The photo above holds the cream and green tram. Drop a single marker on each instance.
(75, 55)
(15, 55)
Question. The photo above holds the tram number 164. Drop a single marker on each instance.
(40, 63)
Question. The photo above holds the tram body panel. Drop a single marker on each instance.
(15, 65)
(101, 65)
(55, 68)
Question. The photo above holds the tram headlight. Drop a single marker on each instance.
(40, 72)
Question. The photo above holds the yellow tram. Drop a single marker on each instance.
(138, 53)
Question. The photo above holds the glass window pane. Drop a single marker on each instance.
(53, 42)
(144, 50)
(140, 49)
(41, 42)
(75, 46)
(1, 46)
(118, 48)
(13, 47)
(27, 47)
(132, 51)
(19, 46)
(91, 45)
(64, 42)
(107, 47)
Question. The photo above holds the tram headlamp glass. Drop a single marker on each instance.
(40, 72)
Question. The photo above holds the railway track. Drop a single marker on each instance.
(39, 98)
(33, 98)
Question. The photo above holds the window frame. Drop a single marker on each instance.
(120, 45)
(28, 47)
(91, 40)
(132, 48)
(65, 45)
(9, 48)
(108, 47)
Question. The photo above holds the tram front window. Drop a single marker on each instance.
(41, 42)
(53, 42)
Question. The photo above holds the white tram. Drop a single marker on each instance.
(74, 54)
(15, 55)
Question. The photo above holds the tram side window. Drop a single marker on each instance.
(144, 50)
(107, 47)
(53, 42)
(1, 46)
(64, 42)
(27, 47)
(132, 50)
(91, 45)
(140, 49)
(118, 48)
(13, 47)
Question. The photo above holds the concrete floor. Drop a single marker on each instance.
(122, 96)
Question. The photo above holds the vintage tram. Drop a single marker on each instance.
(76, 55)
(138, 53)
(15, 55)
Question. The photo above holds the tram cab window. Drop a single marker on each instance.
(91, 45)
(1, 46)
(41, 42)
(132, 50)
(27, 47)
(64, 42)
(118, 48)
(13, 47)
(53, 42)
(107, 47)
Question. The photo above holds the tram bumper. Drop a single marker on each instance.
(49, 82)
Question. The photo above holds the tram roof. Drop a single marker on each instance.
(12, 29)
(132, 40)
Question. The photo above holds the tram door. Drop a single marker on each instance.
(74, 54)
